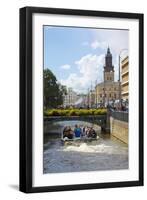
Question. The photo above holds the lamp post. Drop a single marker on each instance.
(119, 60)
(104, 96)
(96, 93)
(88, 98)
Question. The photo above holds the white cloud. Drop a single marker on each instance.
(96, 44)
(90, 69)
(116, 39)
(66, 67)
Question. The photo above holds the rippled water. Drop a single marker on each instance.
(107, 153)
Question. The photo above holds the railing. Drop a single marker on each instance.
(64, 118)
(120, 115)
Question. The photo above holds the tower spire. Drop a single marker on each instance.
(108, 50)
(108, 68)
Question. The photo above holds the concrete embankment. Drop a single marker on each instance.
(119, 129)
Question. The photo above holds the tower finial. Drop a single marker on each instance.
(108, 50)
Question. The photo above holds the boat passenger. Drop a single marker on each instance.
(67, 132)
(77, 131)
(83, 131)
(88, 131)
(91, 133)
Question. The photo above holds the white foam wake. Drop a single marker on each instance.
(101, 148)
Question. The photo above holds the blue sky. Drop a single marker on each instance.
(76, 55)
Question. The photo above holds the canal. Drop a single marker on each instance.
(107, 153)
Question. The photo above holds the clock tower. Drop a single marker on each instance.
(108, 68)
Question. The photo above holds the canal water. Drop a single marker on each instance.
(107, 153)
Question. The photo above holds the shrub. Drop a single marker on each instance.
(97, 112)
(64, 112)
(103, 111)
(86, 112)
(74, 112)
(45, 113)
(55, 113)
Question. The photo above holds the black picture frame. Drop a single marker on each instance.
(26, 90)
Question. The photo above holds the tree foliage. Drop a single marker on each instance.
(53, 91)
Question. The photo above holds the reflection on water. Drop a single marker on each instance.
(107, 153)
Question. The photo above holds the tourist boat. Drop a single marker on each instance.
(77, 140)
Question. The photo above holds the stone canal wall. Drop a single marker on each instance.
(119, 129)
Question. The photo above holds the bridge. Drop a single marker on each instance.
(100, 120)
(113, 122)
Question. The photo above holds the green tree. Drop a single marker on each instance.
(53, 91)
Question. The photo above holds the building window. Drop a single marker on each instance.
(100, 95)
(110, 95)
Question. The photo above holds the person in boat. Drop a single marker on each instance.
(87, 131)
(67, 132)
(83, 131)
(91, 133)
(77, 131)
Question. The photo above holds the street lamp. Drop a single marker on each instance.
(96, 93)
(88, 98)
(104, 100)
(121, 51)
